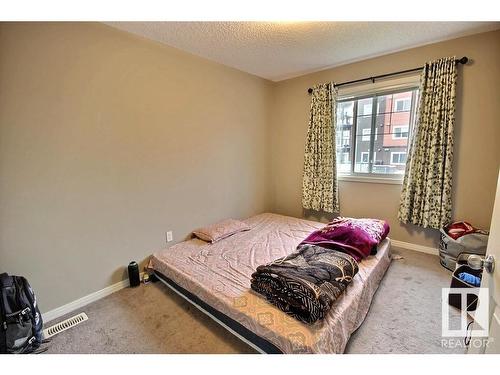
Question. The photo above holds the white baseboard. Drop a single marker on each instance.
(414, 247)
(62, 310)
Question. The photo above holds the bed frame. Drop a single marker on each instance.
(258, 343)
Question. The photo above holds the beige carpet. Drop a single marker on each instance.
(405, 317)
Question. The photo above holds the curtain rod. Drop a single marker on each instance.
(462, 61)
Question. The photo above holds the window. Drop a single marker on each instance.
(343, 136)
(402, 104)
(366, 135)
(346, 134)
(398, 158)
(400, 132)
(367, 109)
(371, 140)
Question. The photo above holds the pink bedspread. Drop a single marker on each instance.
(220, 275)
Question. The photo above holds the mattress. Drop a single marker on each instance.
(219, 275)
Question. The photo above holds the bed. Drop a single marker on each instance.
(216, 279)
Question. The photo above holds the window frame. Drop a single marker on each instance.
(370, 176)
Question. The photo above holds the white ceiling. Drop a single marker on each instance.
(281, 50)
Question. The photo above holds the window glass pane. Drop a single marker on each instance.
(384, 104)
(345, 117)
(365, 107)
(392, 128)
(363, 135)
(390, 139)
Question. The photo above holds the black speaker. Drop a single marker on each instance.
(133, 274)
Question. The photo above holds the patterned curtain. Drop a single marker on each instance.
(319, 183)
(426, 194)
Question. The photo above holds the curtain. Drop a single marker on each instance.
(426, 193)
(319, 183)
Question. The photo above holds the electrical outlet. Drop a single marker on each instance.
(169, 236)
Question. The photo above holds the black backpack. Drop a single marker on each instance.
(20, 319)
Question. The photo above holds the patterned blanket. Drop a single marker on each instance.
(356, 237)
(306, 283)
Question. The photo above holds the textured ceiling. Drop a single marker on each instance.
(280, 50)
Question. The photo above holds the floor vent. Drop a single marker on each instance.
(64, 325)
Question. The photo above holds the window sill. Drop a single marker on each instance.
(372, 180)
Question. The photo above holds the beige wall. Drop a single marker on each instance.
(108, 140)
(477, 155)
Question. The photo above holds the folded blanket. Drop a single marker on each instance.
(356, 237)
(306, 283)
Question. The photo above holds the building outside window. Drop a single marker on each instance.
(374, 130)
(343, 136)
